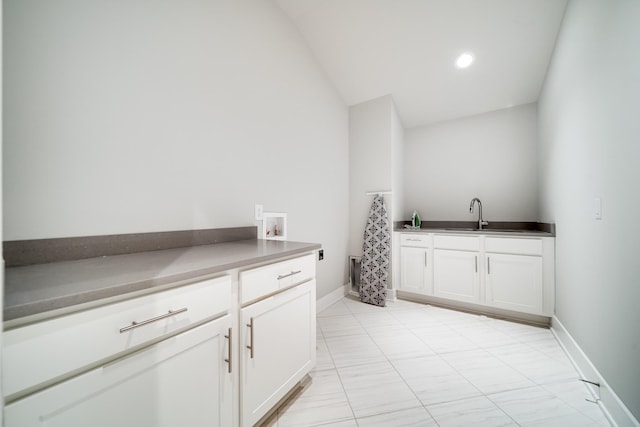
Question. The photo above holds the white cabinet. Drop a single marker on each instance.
(259, 282)
(518, 274)
(455, 275)
(455, 267)
(416, 264)
(277, 345)
(514, 282)
(182, 381)
(35, 355)
(200, 354)
(277, 348)
(415, 270)
(514, 273)
(177, 379)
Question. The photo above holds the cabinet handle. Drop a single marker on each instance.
(488, 265)
(135, 324)
(282, 276)
(250, 326)
(476, 263)
(228, 336)
(425, 260)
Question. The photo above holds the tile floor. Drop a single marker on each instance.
(412, 364)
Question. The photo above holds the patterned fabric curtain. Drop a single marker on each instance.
(376, 251)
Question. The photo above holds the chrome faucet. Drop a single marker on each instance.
(481, 222)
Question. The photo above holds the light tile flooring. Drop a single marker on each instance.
(412, 364)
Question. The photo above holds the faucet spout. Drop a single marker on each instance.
(481, 222)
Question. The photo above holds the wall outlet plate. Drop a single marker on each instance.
(259, 210)
(597, 208)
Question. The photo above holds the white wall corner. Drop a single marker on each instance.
(391, 295)
(340, 293)
(331, 298)
(614, 409)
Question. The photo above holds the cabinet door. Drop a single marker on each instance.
(181, 381)
(456, 275)
(278, 348)
(415, 270)
(514, 282)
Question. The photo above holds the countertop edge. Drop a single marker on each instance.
(44, 309)
(506, 228)
(531, 233)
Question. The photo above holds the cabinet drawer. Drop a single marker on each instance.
(36, 355)
(417, 240)
(461, 243)
(261, 281)
(513, 246)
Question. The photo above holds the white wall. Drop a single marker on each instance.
(375, 136)
(589, 148)
(150, 116)
(397, 159)
(491, 156)
(1, 256)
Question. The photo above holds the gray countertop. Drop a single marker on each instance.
(495, 228)
(488, 232)
(37, 290)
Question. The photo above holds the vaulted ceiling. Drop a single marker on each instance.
(407, 48)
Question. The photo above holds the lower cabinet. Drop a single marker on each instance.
(415, 270)
(278, 348)
(514, 282)
(509, 273)
(456, 275)
(194, 355)
(416, 263)
(181, 381)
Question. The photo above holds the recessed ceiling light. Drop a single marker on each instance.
(464, 60)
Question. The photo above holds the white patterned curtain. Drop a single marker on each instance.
(376, 251)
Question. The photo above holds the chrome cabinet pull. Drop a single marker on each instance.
(476, 263)
(228, 336)
(425, 259)
(135, 324)
(250, 347)
(282, 276)
(488, 265)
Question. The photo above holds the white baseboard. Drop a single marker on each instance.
(331, 298)
(614, 409)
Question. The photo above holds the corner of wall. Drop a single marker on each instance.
(606, 398)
